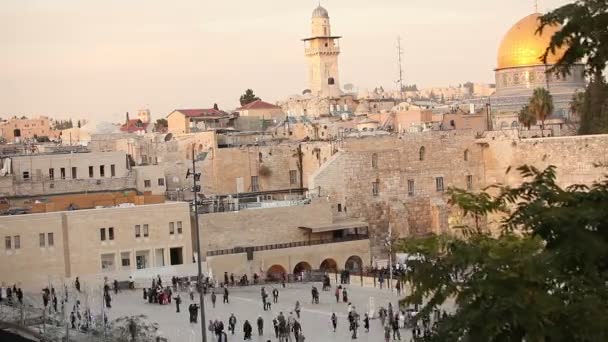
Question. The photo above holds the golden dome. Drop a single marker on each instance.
(521, 46)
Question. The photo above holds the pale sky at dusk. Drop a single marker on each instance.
(101, 58)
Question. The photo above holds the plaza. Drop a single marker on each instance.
(246, 304)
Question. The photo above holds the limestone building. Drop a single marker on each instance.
(322, 50)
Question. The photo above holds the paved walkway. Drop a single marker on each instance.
(246, 303)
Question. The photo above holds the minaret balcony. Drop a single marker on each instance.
(322, 51)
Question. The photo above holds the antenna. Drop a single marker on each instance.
(535, 6)
(400, 56)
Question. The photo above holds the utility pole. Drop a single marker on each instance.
(195, 189)
(400, 56)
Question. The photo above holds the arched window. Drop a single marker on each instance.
(422, 151)
(331, 81)
(375, 160)
(466, 155)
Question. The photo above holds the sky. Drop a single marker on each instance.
(97, 59)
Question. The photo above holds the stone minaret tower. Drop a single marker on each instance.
(322, 50)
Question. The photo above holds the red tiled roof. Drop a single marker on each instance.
(201, 112)
(133, 126)
(258, 104)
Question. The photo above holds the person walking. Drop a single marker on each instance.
(115, 286)
(338, 288)
(297, 309)
(77, 284)
(214, 298)
(260, 326)
(247, 330)
(178, 301)
(55, 303)
(226, 296)
(275, 325)
(334, 321)
(275, 295)
(398, 287)
(395, 326)
(366, 322)
(231, 323)
(344, 295)
(387, 332)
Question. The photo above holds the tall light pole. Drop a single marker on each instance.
(195, 189)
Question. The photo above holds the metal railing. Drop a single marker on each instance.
(237, 250)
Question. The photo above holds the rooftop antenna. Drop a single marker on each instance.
(400, 56)
(535, 6)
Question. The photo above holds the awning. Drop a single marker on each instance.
(338, 225)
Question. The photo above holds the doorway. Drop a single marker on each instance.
(176, 256)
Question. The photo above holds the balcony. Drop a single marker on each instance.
(322, 51)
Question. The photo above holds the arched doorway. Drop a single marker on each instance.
(329, 265)
(275, 272)
(353, 264)
(301, 267)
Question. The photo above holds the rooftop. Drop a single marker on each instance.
(259, 104)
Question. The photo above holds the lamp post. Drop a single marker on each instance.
(195, 189)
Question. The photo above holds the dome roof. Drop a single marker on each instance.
(320, 12)
(521, 46)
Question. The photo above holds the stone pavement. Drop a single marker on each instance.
(246, 303)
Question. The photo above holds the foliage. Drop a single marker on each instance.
(576, 104)
(584, 34)
(594, 107)
(133, 328)
(526, 118)
(543, 278)
(248, 97)
(541, 106)
(161, 124)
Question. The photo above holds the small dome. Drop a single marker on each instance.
(320, 12)
(521, 46)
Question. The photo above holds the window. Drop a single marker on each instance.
(42, 240)
(125, 259)
(466, 155)
(439, 184)
(26, 175)
(102, 232)
(90, 172)
(74, 174)
(161, 182)
(112, 170)
(102, 171)
(375, 160)
(421, 153)
(339, 207)
(469, 182)
(50, 239)
(293, 177)
(260, 157)
(51, 174)
(17, 241)
(171, 228)
(147, 183)
(62, 172)
(254, 184)
(111, 233)
(375, 188)
(179, 227)
(7, 242)
(411, 187)
(137, 231)
(145, 230)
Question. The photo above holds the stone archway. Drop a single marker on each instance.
(354, 264)
(275, 272)
(329, 265)
(302, 266)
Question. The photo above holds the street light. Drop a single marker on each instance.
(195, 189)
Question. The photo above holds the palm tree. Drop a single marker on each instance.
(526, 118)
(541, 106)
